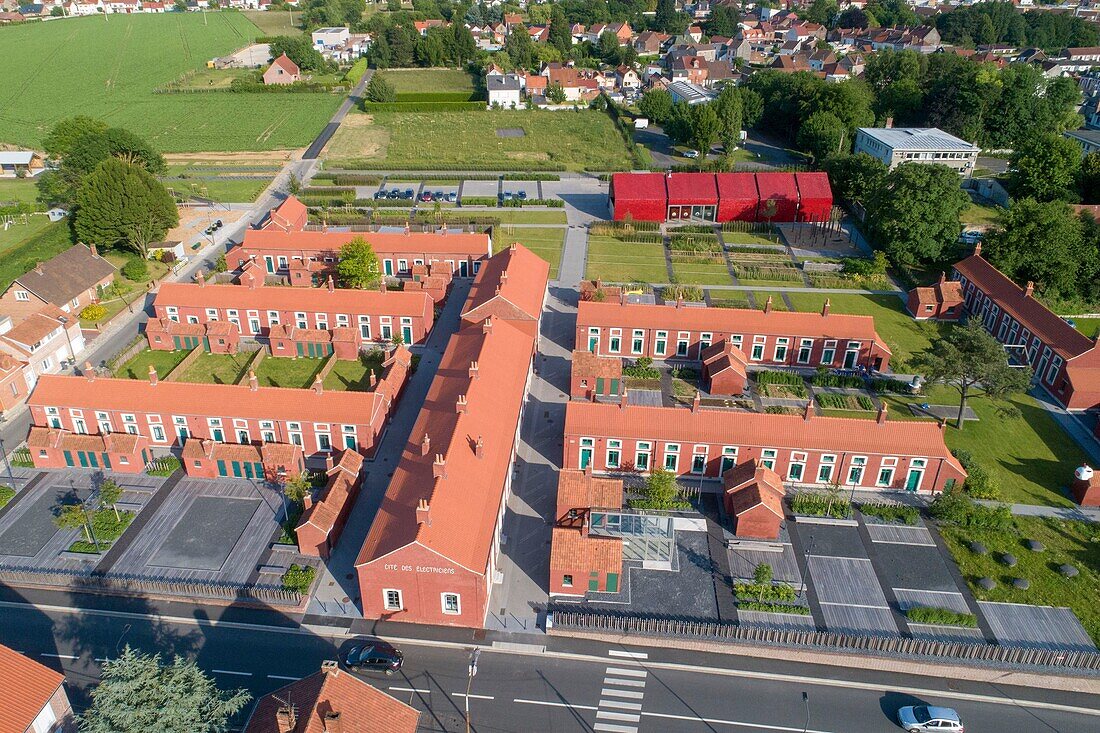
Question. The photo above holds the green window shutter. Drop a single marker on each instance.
(599, 385)
(594, 585)
(612, 582)
(69, 459)
(614, 387)
(107, 461)
(221, 468)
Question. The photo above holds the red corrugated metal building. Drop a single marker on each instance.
(737, 196)
(692, 196)
(815, 197)
(781, 189)
(642, 196)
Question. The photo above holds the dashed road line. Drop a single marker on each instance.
(410, 689)
(229, 671)
(550, 704)
(473, 697)
(735, 723)
(627, 655)
(58, 656)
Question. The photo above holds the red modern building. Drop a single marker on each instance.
(431, 553)
(1065, 361)
(721, 197)
(766, 337)
(803, 450)
(371, 316)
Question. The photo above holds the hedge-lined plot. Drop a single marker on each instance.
(615, 260)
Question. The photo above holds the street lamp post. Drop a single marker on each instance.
(65, 327)
(7, 462)
(806, 701)
(470, 683)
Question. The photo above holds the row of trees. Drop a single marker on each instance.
(1000, 22)
(703, 125)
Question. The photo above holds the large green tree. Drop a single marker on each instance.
(380, 90)
(137, 693)
(358, 265)
(856, 177)
(64, 134)
(914, 215)
(970, 360)
(704, 129)
(1044, 167)
(122, 204)
(823, 134)
(299, 50)
(730, 117)
(656, 104)
(723, 21)
(1040, 242)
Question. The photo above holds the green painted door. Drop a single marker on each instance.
(258, 469)
(912, 482)
(612, 582)
(614, 387)
(586, 457)
(221, 469)
(407, 334)
(599, 385)
(594, 585)
(93, 459)
(301, 349)
(177, 342)
(69, 459)
(205, 344)
(236, 466)
(83, 458)
(107, 461)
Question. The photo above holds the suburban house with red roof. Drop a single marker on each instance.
(942, 301)
(804, 450)
(37, 702)
(313, 254)
(767, 337)
(331, 701)
(324, 517)
(289, 216)
(593, 377)
(582, 560)
(367, 316)
(282, 71)
(431, 553)
(1065, 361)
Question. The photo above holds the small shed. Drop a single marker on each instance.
(753, 498)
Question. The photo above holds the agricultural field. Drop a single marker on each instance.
(24, 245)
(549, 140)
(275, 23)
(411, 84)
(117, 83)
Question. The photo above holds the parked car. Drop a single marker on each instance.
(426, 197)
(452, 197)
(373, 655)
(970, 236)
(920, 718)
(438, 196)
(506, 196)
(379, 195)
(394, 194)
(691, 154)
(409, 193)
(522, 195)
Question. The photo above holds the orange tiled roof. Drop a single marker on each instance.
(587, 364)
(578, 490)
(750, 484)
(343, 478)
(510, 285)
(473, 244)
(572, 549)
(343, 300)
(30, 684)
(290, 215)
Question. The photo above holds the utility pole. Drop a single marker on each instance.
(470, 682)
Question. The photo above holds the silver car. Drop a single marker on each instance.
(920, 718)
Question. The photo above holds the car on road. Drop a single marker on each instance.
(691, 154)
(373, 655)
(921, 718)
(970, 236)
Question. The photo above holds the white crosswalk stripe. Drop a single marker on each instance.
(621, 696)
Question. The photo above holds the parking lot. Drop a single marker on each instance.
(420, 192)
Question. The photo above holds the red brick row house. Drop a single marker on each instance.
(431, 552)
(803, 450)
(324, 518)
(372, 316)
(941, 301)
(594, 376)
(121, 452)
(582, 561)
(1065, 361)
(312, 254)
(766, 337)
(166, 415)
(217, 337)
(273, 462)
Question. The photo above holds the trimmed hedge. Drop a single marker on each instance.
(818, 504)
(891, 512)
(940, 617)
(422, 106)
(772, 607)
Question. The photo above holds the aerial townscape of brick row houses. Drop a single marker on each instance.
(554, 366)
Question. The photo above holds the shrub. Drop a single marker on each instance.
(691, 293)
(380, 90)
(940, 616)
(299, 578)
(880, 386)
(891, 512)
(93, 312)
(642, 369)
(765, 591)
(980, 483)
(7, 493)
(955, 507)
(824, 378)
(164, 466)
(772, 607)
(136, 269)
(220, 265)
(821, 504)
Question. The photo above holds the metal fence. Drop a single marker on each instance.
(981, 653)
(134, 584)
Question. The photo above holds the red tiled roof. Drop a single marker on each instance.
(572, 549)
(510, 285)
(750, 485)
(728, 320)
(32, 329)
(587, 364)
(341, 486)
(284, 63)
(916, 438)
(473, 244)
(1067, 341)
(30, 686)
(722, 356)
(174, 328)
(578, 490)
(361, 707)
(343, 300)
(290, 215)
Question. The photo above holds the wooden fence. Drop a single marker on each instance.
(979, 653)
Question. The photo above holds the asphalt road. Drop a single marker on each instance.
(576, 686)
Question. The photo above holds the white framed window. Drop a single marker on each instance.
(729, 457)
(672, 457)
(642, 452)
(615, 341)
(736, 340)
(211, 314)
(614, 453)
(767, 458)
(273, 318)
(828, 354)
(805, 349)
(391, 599)
(364, 328)
(452, 603)
(797, 467)
(699, 459)
(886, 471)
(22, 295)
(661, 343)
(157, 432)
(705, 340)
(781, 345)
(758, 343)
(300, 320)
(855, 470)
(637, 341)
(825, 468)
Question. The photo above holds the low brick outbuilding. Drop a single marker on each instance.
(753, 498)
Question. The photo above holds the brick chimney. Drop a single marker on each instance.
(1029, 289)
(768, 305)
(332, 723)
(473, 370)
(286, 719)
(479, 448)
(253, 382)
(407, 230)
(93, 250)
(89, 371)
(882, 413)
(200, 280)
(373, 380)
(809, 411)
(825, 308)
(943, 277)
(425, 445)
(460, 405)
(152, 375)
(695, 402)
(978, 249)
(889, 122)
(423, 514)
(487, 326)
(439, 466)
(503, 276)
(318, 387)
(331, 285)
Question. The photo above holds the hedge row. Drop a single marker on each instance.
(422, 106)
(435, 97)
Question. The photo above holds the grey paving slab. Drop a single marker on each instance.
(946, 633)
(914, 567)
(859, 620)
(908, 598)
(825, 540)
(29, 526)
(1042, 627)
(785, 621)
(900, 534)
(206, 533)
(480, 188)
(846, 580)
(945, 412)
(645, 397)
(784, 565)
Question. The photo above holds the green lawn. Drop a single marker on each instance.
(163, 361)
(277, 371)
(530, 216)
(1075, 543)
(551, 140)
(1028, 454)
(905, 336)
(777, 300)
(275, 23)
(701, 269)
(217, 368)
(613, 260)
(117, 81)
(352, 375)
(729, 299)
(421, 81)
(18, 190)
(221, 189)
(546, 243)
(979, 215)
(1088, 326)
(24, 246)
(7, 493)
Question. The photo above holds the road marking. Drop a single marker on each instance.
(615, 728)
(638, 672)
(473, 697)
(411, 689)
(737, 723)
(283, 677)
(632, 694)
(626, 717)
(547, 703)
(624, 683)
(627, 655)
(848, 605)
(621, 705)
(229, 671)
(58, 656)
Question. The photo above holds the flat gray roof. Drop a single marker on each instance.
(916, 138)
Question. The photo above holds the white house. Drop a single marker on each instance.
(505, 91)
(330, 37)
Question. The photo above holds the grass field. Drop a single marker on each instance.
(218, 188)
(1088, 326)
(275, 23)
(277, 371)
(979, 215)
(551, 140)
(545, 242)
(421, 81)
(117, 80)
(217, 368)
(529, 216)
(613, 260)
(1067, 542)
(23, 246)
(163, 361)
(351, 376)
(18, 190)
